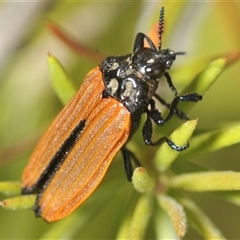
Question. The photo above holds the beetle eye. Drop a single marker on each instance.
(155, 70)
(168, 64)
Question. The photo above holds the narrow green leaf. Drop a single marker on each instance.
(19, 203)
(207, 181)
(141, 180)
(209, 75)
(232, 196)
(213, 141)
(10, 188)
(176, 213)
(61, 82)
(204, 80)
(200, 222)
(163, 226)
(124, 229)
(140, 218)
(165, 154)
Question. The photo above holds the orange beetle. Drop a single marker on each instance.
(73, 156)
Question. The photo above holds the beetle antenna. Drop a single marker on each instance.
(180, 53)
(160, 27)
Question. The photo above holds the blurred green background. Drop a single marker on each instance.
(204, 30)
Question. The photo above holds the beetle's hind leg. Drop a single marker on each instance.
(127, 157)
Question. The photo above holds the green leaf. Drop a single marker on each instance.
(175, 212)
(19, 203)
(199, 221)
(123, 231)
(165, 154)
(209, 75)
(10, 188)
(141, 180)
(232, 196)
(61, 82)
(213, 141)
(205, 79)
(207, 181)
(163, 226)
(133, 227)
(140, 218)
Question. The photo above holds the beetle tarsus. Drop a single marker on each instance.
(191, 97)
(176, 147)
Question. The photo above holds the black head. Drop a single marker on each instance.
(151, 61)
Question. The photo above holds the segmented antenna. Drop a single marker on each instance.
(160, 27)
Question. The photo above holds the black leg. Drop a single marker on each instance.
(139, 42)
(127, 156)
(180, 114)
(147, 136)
(188, 97)
(156, 116)
(170, 84)
(191, 97)
(173, 107)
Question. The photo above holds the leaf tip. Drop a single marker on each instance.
(141, 180)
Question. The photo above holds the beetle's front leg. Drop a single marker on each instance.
(180, 114)
(188, 97)
(147, 135)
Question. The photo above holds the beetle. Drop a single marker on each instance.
(74, 154)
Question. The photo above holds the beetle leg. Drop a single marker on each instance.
(147, 136)
(127, 157)
(180, 114)
(155, 114)
(170, 84)
(139, 42)
(189, 97)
